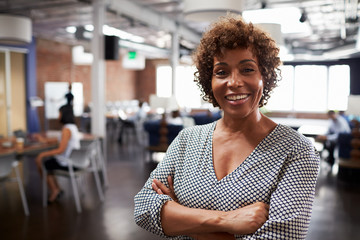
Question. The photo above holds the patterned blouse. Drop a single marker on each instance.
(281, 171)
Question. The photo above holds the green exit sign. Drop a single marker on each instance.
(132, 55)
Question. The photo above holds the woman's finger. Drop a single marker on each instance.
(161, 186)
(156, 188)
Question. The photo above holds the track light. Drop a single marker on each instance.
(303, 16)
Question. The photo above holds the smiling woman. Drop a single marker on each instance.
(243, 176)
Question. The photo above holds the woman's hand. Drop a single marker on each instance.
(160, 188)
(321, 138)
(38, 137)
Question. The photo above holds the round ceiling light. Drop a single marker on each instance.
(15, 29)
(210, 10)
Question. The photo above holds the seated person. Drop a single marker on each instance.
(174, 118)
(337, 125)
(69, 140)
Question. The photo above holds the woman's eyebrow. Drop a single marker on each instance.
(220, 63)
(247, 60)
(241, 62)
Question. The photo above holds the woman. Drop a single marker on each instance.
(70, 140)
(244, 176)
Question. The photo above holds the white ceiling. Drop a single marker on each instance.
(331, 25)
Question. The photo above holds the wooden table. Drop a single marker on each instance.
(34, 148)
(28, 149)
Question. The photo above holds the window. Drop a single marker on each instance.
(187, 92)
(163, 81)
(311, 88)
(283, 91)
(339, 87)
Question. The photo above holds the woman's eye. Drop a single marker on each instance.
(220, 73)
(247, 70)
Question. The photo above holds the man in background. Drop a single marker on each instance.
(337, 125)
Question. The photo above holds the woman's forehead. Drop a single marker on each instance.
(235, 53)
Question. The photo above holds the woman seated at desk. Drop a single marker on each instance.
(70, 139)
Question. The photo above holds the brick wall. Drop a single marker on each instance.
(146, 81)
(54, 63)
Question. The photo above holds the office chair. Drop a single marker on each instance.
(7, 164)
(84, 160)
(99, 157)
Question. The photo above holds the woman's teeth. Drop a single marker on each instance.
(236, 97)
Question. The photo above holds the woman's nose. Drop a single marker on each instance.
(235, 81)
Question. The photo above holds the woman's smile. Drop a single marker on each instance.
(237, 97)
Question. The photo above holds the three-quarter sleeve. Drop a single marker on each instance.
(291, 202)
(148, 203)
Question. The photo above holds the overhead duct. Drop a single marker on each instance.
(15, 29)
(152, 18)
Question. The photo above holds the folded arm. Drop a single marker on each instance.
(199, 223)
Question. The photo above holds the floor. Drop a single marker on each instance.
(336, 211)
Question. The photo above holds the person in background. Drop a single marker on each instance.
(69, 96)
(337, 125)
(242, 176)
(347, 118)
(70, 139)
(175, 118)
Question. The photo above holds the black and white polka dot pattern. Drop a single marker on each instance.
(281, 171)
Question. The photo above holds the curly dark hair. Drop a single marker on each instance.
(232, 32)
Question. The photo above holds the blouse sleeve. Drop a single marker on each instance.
(291, 202)
(148, 203)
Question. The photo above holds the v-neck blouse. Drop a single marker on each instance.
(281, 171)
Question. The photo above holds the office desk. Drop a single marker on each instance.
(28, 149)
(20, 153)
(34, 148)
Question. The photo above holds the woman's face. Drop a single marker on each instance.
(237, 82)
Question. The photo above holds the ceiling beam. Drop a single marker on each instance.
(153, 19)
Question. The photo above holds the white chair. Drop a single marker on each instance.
(84, 160)
(99, 157)
(7, 164)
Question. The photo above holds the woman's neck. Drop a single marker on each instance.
(248, 123)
